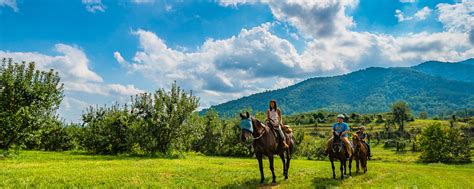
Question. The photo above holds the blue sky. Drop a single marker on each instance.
(106, 51)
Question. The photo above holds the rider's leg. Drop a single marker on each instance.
(282, 136)
(348, 145)
(368, 149)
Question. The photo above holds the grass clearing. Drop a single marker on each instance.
(70, 169)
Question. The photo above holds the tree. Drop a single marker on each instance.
(443, 144)
(29, 99)
(401, 113)
(423, 115)
(164, 115)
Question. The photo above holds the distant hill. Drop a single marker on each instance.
(462, 71)
(434, 87)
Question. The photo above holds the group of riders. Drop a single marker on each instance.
(341, 128)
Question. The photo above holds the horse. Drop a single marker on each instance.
(335, 152)
(265, 142)
(360, 153)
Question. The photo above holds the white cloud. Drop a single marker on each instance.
(74, 69)
(255, 59)
(314, 18)
(73, 64)
(119, 58)
(421, 14)
(94, 5)
(124, 90)
(9, 3)
(407, 1)
(457, 17)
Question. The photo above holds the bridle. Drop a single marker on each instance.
(255, 133)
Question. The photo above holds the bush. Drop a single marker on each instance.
(444, 144)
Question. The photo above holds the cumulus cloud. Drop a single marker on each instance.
(72, 64)
(421, 14)
(74, 69)
(255, 59)
(9, 3)
(457, 17)
(320, 18)
(407, 1)
(94, 5)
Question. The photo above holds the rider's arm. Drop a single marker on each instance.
(346, 130)
(268, 115)
(279, 115)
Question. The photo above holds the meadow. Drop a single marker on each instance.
(388, 169)
(76, 169)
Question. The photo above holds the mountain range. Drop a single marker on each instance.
(434, 87)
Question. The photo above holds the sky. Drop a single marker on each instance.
(105, 51)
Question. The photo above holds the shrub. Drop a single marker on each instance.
(443, 144)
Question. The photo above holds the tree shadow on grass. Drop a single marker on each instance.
(326, 182)
(253, 183)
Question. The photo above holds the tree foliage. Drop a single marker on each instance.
(444, 144)
(401, 113)
(29, 99)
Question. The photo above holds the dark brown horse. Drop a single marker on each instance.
(360, 153)
(336, 151)
(265, 142)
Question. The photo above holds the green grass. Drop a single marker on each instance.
(69, 169)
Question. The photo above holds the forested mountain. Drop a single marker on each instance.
(462, 71)
(434, 87)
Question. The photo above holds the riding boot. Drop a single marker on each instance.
(282, 139)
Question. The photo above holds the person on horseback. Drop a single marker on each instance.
(363, 136)
(275, 120)
(342, 129)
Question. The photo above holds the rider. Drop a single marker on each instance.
(274, 119)
(342, 129)
(363, 136)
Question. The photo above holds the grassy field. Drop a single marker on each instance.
(72, 169)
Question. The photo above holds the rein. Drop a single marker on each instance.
(256, 138)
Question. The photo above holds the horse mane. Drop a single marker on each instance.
(258, 126)
(357, 140)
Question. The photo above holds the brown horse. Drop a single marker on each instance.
(336, 151)
(360, 154)
(265, 142)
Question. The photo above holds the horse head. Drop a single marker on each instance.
(336, 141)
(246, 126)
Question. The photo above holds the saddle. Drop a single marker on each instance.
(285, 128)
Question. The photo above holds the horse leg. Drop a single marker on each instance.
(364, 164)
(260, 166)
(288, 158)
(282, 156)
(332, 165)
(357, 165)
(350, 166)
(270, 159)
(345, 167)
(341, 168)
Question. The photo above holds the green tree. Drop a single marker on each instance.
(443, 144)
(164, 114)
(423, 115)
(401, 113)
(29, 99)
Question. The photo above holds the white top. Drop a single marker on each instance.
(274, 116)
